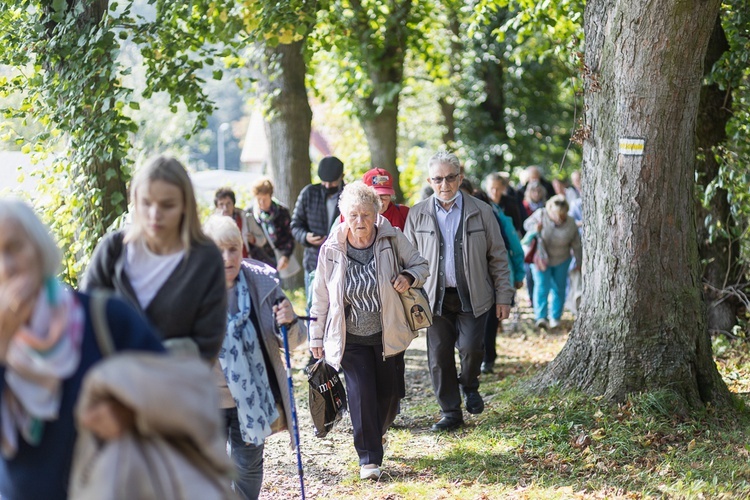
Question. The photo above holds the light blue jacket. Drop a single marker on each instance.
(515, 250)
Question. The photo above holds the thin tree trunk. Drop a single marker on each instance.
(642, 322)
(720, 253)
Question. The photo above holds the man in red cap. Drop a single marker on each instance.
(382, 181)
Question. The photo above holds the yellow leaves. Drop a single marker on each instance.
(287, 36)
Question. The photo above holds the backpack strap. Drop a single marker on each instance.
(98, 311)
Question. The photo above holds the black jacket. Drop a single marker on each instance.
(191, 303)
(311, 216)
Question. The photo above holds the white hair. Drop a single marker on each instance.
(21, 213)
(445, 157)
(222, 230)
(358, 194)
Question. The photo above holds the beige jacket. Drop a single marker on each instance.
(393, 253)
(177, 449)
(485, 257)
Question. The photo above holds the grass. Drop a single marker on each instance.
(539, 446)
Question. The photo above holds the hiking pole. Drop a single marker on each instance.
(295, 423)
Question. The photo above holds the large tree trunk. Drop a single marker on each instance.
(720, 254)
(288, 127)
(383, 60)
(381, 131)
(282, 80)
(103, 174)
(642, 322)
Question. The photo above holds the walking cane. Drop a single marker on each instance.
(290, 385)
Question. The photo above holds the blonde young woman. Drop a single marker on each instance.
(361, 325)
(163, 264)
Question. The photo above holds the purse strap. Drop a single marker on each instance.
(98, 310)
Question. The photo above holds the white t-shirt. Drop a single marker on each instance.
(148, 271)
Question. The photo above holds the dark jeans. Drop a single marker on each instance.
(247, 458)
(372, 389)
(490, 336)
(455, 330)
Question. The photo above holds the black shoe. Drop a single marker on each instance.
(488, 367)
(447, 424)
(474, 402)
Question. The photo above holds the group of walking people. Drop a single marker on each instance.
(189, 289)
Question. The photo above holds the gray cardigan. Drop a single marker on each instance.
(192, 302)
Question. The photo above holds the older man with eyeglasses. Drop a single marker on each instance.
(469, 279)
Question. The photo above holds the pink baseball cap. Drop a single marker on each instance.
(380, 179)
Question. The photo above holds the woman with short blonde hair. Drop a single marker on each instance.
(275, 220)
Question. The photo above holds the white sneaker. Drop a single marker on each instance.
(369, 471)
(554, 323)
(541, 324)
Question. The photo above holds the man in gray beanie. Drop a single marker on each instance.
(316, 210)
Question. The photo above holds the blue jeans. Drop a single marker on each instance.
(553, 279)
(247, 458)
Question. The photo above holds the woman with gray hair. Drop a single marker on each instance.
(559, 236)
(361, 325)
(47, 344)
(249, 372)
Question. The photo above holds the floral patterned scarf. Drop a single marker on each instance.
(40, 357)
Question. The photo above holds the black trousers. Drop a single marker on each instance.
(373, 389)
(451, 330)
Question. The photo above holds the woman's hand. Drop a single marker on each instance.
(282, 263)
(402, 283)
(108, 419)
(283, 312)
(17, 299)
(317, 352)
(539, 227)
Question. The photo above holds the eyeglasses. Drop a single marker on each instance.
(448, 178)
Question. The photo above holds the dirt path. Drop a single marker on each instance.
(330, 464)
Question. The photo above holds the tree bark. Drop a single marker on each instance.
(720, 254)
(385, 68)
(642, 323)
(289, 124)
(381, 131)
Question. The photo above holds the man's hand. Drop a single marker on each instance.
(502, 311)
(314, 239)
(317, 352)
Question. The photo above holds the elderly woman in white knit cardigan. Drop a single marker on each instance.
(361, 325)
(560, 239)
